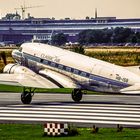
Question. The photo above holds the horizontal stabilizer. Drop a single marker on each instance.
(135, 89)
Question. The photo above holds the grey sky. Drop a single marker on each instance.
(75, 8)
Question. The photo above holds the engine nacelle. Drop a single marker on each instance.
(17, 69)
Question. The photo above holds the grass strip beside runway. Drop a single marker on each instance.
(6, 88)
(35, 132)
(16, 89)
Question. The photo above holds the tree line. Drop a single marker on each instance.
(114, 35)
(117, 35)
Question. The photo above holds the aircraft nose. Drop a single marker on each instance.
(17, 55)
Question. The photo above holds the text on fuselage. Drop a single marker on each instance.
(122, 79)
(48, 57)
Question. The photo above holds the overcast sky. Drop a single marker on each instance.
(74, 8)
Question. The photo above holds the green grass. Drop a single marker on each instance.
(6, 88)
(16, 89)
(35, 132)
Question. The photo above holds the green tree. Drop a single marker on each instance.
(95, 36)
(117, 35)
(107, 37)
(134, 39)
(78, 49)
(12, 16)
(138, 37)
(83, 36)
(122, 35)
(59, 39)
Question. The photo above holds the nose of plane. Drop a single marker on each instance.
(17, 55)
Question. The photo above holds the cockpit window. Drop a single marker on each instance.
(20, 49)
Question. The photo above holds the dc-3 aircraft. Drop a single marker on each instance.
(45, 66)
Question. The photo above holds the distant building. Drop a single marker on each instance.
(41, 29)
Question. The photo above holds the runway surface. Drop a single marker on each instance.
(93, 109)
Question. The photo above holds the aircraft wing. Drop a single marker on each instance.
(26, 80)
(45, 79)
(134, 89)
(59, 79)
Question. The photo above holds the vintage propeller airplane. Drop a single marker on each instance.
(45, 66)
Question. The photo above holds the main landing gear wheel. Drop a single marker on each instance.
(76, 95)
(26, 96)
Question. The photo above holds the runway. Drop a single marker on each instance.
(93, 109)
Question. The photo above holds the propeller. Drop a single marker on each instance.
(3, 57)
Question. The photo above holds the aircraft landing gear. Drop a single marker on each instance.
(26, 96)
(77, 95)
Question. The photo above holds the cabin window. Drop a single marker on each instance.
(83, 74)
(46, 62)
(68, 69)
(41, 60)
(60, 67)
(91, 77)
(52, 64)
(75, 71)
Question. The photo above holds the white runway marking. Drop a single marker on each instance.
(75, 109)
(76, 113)
(94, 109)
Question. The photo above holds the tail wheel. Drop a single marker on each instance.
(77, 95)
(26, 97)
